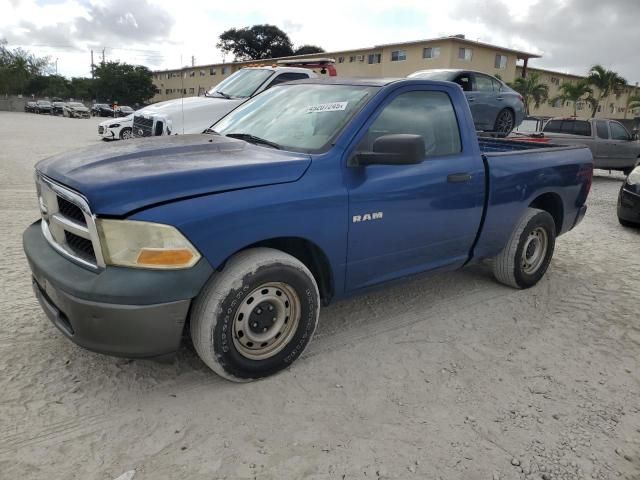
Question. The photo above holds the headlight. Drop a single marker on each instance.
(634, 177)
(114, 125)
(131, 243)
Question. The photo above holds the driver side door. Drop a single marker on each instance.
(409, 218)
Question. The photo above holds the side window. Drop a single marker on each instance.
(582, 128)
(553, 126)
(428, 114)
(287, 77)
(464, 80)
(618, 132)
(601, 129)
(484, 83)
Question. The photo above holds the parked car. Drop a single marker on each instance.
(76, 110)
(57, 108)
(102, 110)
(495, 107)
(43, 106)
(612, 146)
(629, 200)
(308, 192)
(196, 114)
(30, 107)
(116, 128)
(124, 111)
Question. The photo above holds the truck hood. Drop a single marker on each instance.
(118, 179)
(191, 114)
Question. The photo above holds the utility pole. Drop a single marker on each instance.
(92, 65)
(103, 55)
(193, 61)
(56, 65)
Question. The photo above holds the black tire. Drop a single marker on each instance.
(125, 134)
(627, 171)
(263, 276)
(505, 123)
(520, 264)
(626, 223)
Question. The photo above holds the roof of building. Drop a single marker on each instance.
(458, 38)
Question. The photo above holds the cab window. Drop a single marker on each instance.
(464, 80)
(428, 114)
(602, 130)
(618, 132)
(288, 77)
(483, 83)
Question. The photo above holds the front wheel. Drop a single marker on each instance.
(125, 134)
(526, 257)
(255, 317)
(505, 121)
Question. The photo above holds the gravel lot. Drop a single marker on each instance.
(446, 377)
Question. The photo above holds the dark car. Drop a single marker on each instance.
(102, 110)
(495, 107)
(43, 106)
(125, 111)
(30, 107)
(629, 200)
(57, 108)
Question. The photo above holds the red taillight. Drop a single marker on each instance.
(585, 175)
(521, 98)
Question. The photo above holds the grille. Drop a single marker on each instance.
(70, 210)
(68, 224)
(101, 130)
(142, 127)
(82, 247)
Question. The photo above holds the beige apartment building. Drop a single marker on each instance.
(401, 59)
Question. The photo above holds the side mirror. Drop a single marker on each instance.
(397, 149)
(635, 136)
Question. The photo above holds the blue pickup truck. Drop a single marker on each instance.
(309, 192)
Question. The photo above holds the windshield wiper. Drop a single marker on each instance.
(222, 94)
(247, 137)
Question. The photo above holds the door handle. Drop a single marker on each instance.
(471, 99)
(459, 178)
(499, 98)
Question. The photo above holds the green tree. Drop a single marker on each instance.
(123, 83)
(607, 82)
(17, 67)
(307, 49)
(256, 43)
(574, 92)
(532, 90)
(82, 88)
(633, 101)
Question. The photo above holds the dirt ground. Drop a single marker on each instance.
(445, 377)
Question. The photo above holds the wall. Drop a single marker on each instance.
(11, 103)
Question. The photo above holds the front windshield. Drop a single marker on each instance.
(303, 117)
(241, 84)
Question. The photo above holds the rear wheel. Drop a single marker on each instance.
(526, 257)
(626, 223)
(255, 317)
(505, 121)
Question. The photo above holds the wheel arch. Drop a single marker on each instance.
(552, 204)
(306, 251)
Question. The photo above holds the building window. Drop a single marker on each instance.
(212, 71)
(558, 103)
(501, 62)
(224, 70)
(555, 80)
(167, 91)
(465, 53)
(352, 58)
(398, 56)
(192, 73)
(192, 90)
(340, 59)
(431, 52)
(580, 106)
(360, 58)
(374, 58)
(202, 73)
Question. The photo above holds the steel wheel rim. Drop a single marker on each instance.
(534, 250)
(505, 122)
(126, 135)
(266, 320)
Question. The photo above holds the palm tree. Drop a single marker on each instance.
(531, 89)
(607, 82)
(574, 92)
(633, 101)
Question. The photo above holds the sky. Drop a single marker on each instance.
(571, 35)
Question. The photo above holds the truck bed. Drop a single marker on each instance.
(498, 145)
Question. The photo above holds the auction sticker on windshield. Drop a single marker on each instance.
(327, 107)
